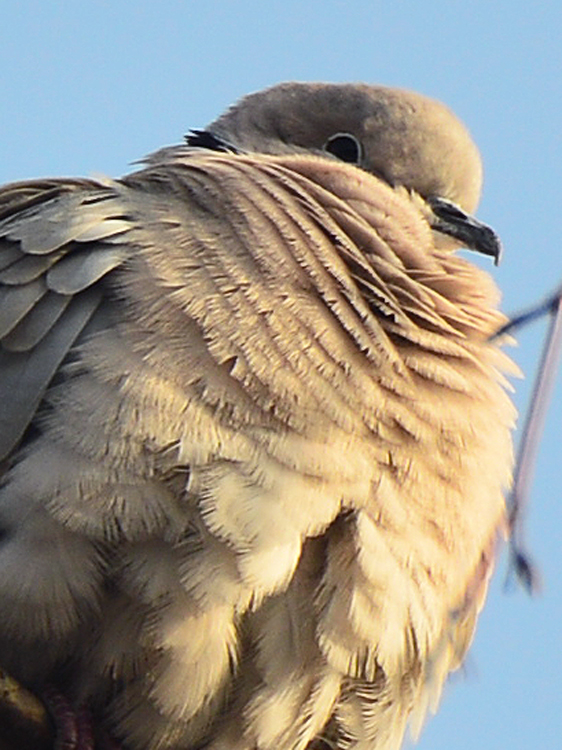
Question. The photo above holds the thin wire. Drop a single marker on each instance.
(537, 311)
(534, 424)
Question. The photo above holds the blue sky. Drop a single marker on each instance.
(89, 86)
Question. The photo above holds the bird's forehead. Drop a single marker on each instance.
(288, 106)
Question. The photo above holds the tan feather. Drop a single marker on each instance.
(257, 430)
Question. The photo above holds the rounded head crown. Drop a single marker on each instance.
(403, 137)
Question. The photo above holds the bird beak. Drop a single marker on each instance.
(451, 220)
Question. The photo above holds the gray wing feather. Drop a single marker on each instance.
(44, 228)
(26, 375)
(57, 240)
(110, 230)
(37, 323)
(81, 269)
(16, 302)
(26, 268)
(9, 255)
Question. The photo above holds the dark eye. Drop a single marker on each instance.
(344, 146)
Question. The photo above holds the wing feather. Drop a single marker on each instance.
(57, 241)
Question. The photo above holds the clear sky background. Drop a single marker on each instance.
(89, 86)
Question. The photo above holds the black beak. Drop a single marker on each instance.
(471, 233)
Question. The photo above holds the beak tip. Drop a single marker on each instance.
(498, 254)
(470, 233)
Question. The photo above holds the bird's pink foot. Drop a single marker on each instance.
(74, 728)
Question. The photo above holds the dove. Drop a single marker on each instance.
(255, 429)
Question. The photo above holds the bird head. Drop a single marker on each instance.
(410, 141)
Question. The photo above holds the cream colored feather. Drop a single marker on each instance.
(256, 434)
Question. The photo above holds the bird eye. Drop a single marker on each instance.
(345, 147)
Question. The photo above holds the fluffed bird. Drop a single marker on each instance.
(255, 432)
